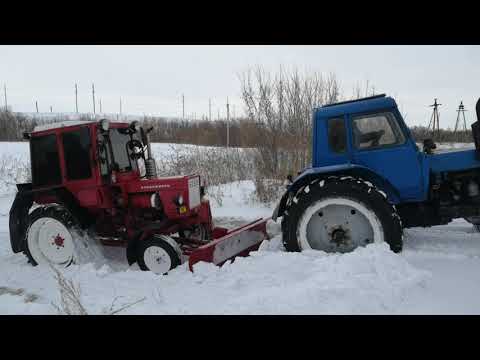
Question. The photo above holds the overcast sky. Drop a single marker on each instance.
(151, 79)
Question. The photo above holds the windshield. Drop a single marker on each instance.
(121, 153)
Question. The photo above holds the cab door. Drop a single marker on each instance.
(78, 169)
(380, 143)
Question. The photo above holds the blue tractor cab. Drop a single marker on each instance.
(365, 146)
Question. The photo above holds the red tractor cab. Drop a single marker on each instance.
(100, 179)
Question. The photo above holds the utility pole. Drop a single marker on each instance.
(36, 105)
(76, 98)
(100, 101)
(93, 97)
(120, 106)
(461, 110)
(435, 119)
(209, 109)
(183, 107)
(5, 94)
(228, 124)
(51, 109)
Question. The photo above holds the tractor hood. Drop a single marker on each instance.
(453, 160)
(164, 183)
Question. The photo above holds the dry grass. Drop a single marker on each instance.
(71, 298)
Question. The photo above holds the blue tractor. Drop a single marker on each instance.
(369, 180)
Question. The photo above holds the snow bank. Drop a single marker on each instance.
(370, 280)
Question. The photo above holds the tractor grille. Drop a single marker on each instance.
(193, 192)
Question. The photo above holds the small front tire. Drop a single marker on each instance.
(157, 255)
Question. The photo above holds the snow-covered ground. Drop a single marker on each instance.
(437, 273)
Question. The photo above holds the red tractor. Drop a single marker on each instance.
(100, 179)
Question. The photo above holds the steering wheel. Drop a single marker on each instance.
(377, 135)
(132, 144)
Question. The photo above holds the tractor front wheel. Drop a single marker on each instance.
(50, 237)
(339, 215)
(157, 255)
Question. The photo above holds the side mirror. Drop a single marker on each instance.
(135, 126)
(429, 146)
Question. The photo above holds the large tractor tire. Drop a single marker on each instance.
(159, 254)
(50, 236)
(475, 221)
(338, 215)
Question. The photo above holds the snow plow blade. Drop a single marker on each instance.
(228, 244)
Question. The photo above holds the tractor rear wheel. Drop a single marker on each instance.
(157, 255)
(339, 215)
(475, 221)
(50, 236)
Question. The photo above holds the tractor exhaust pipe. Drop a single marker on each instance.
(150, 164)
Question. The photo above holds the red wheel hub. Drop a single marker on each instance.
(58, 240)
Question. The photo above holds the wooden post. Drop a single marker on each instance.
(93, 97)
(228, 124)
(5, 94)
(76, 98)
(209, 109)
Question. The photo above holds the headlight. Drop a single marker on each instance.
(155, 201)
(104, 124)
(180, 200)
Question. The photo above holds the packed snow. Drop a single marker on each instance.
(437, 273)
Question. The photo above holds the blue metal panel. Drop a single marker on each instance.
(453, 161)
(356, 107)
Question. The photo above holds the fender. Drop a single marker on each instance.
(18, 216)
(311, 174)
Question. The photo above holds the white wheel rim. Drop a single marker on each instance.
(49, 241)
(338, 225)
(157, 259)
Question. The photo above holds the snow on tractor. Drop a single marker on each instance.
(369, 180)
(100, 179)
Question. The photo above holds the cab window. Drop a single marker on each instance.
(337, 139)
(76, 147)
(45, 160)
(376, 130)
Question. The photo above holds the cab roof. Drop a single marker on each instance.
(356, 106)
(69, 123)
(60, 124)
